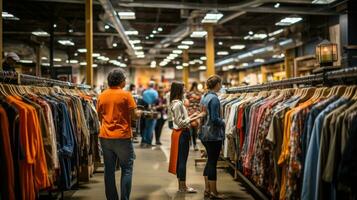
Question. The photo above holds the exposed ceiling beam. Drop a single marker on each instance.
(95, 2)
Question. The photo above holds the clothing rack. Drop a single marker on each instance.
(24, 79)
(325, 77)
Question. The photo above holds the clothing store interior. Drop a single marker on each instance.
(181, 100)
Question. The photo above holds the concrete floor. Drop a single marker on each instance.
(151, 181)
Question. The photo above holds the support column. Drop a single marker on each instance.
(241, 75)
(89, 41)
(264, 74)
(289, 62)
(1, 50)
(210, 50)
(186, 70)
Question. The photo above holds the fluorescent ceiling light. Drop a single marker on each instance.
(76, 54)
(44, 58)
(185, 64)
(40, 33)
(70, 30)
(231, 67)
(57, 59)
(126, 15)
(82, 50)
(276, 32)
(287, 21)
(179, 67)
(250, 33)
(220, 43)
(83, 63)
(245, 55)
(173, 55)
(138, 48)
(94, 55)
(159, 29)
(46, 64)
(187, 42)
(54, 25)
(134, 41)
(238, 47)
(244, 64)
(107, 26)
(66, 42)
(123, 65)
(222, 53)
(139, 53)
(202, 67)
(177, 51)
(147, 37)
(191, 62)
(9, 16)
(225, 68)
(203, 58)
(154, 31)
(198, 34)
(285, 42)
(94, 65)
(134, 32)
(26, 61)
(163, 64)
(57, 65)
(323, 1)
(272, 39)
(277, 5)
(151, 35)
(279, 56)
(140, 56)
(256, 36)
(115, 44)
(183, 47)
(259, 60)
(212, 17)
(73, 61)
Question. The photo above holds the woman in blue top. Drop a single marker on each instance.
(212, 134)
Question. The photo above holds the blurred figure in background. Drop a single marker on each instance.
(132, 89)
(193, 104)
(10, 62)
(162, 109)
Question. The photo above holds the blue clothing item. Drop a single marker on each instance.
(213, 128)
(150, 96)
(148, 131)
(312, 168)
(122, 150)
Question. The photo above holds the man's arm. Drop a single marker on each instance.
(136, 114)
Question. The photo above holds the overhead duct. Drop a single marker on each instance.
(114, 19)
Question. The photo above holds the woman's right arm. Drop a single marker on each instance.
(178, 116)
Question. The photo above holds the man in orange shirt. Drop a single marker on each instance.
(116, 108)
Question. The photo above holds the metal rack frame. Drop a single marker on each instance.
(306, 80)
(25, 79)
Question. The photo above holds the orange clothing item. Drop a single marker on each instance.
(33, 169)
(114, 109)
(175, 139)
(4, 125)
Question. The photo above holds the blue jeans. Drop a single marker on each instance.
(149, 130)
(122, 150)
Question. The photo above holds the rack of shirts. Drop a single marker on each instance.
(46, 134)
(295, 143)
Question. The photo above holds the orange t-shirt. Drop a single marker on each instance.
(114, 107)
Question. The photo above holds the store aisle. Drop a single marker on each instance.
(151, 181)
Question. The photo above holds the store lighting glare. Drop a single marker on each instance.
(272, 39)
(147, 37)
(287, 21)
(126, 15)
(134, 42)
(238, 47)
(140, 56)
(285, 42)
(245, 55)
(66, 42)
(138, 48)
(183, 47)
(73, 61)
(250, 33)
(202, 67)
(277, 5)
(94, 55)
(123, 65)
(177, 51)
(187, 42)
(76, 54)
(94, 65)
(54, 25)
(231, 67)
(46, 64)
(279, 56)
(275, 32)
(179, 67)
(191, 62)
(26, 61)
(245, 65)
(83, 63)
(115, 44)
(131, 32)
(70, 30)
(82, 50)
(139, 53)
(9, 16)
(151, 35)
(259, 60)
(107, 26)
(57, 65)
(40, 33)
(173, 55)
(159, 29)
(212, 17)
(203, 58)
(185, 64)
(163, 64)
(154, 31)
(222, 53)
(43, 58)
(198, 34)
(256, 36)
(220, 43)
(57, 59)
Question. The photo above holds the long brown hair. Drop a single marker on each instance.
(176, 91)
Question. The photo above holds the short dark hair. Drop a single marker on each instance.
(212, 81)
(116, 77)
(176, 91)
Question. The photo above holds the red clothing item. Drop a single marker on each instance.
(5, 134)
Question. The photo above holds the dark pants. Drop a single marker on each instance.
(213, 149)
(184, 148)
(122, 150)
(158, 129)
(194, 135)
(148, 131)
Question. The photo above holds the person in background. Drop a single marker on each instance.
(161, 107)
(132, 89)
(194, 98)
(180, 137)
(150, 96)
(212, 134)
(10, 62)
(116, 109)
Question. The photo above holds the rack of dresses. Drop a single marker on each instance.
(294, 139)
(46, 134)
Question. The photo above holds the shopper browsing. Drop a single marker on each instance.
(212, 134)
(180, 138)
(116, 108)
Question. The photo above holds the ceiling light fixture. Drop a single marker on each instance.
(238, 47)
(198, 34)
(26, 61)
(154, 31)
(107, 26)
(259, 60)
(9, 16)
(43, 58)
(138, 48)
(76, 54)
(70, 30)
(220, 43)
(83, 63)
(73, 61)
(277, 5)
(151, 35)
(222, 53)
(57, 59)
(147, 37)
(94, 55)
(82, 50)
(54, 25)
(133, 32)
(126, 15)
(276, 32)
(183, 46)
(179, 67)
(187, 42)
(94, 65)
(212, 17)
(115, 44)
(185, 64)
(159, 29)
(287, 21)
(203, 58)
(66, 42)
(134, 41)
(230, 66)
(177, 51)
(250, 33)
(45, 64)
(202, 67)
(140, 56)
(40, 33)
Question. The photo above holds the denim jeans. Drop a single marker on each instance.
(122, 150)
(149, 130)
